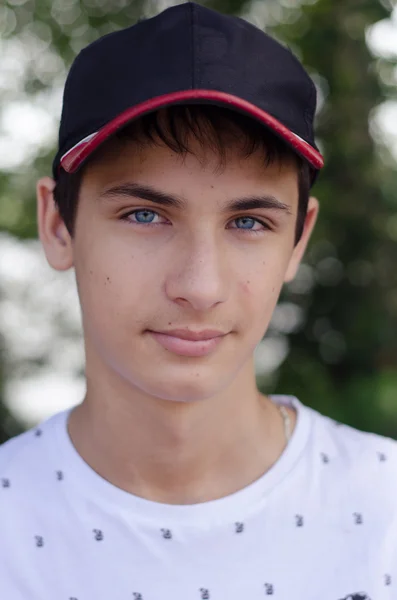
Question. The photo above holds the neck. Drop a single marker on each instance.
(176, 452)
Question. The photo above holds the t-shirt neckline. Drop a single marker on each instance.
(96, 489)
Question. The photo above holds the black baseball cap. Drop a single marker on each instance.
(187, 54)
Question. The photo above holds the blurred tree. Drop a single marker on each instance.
(343, 360)
(342, 356)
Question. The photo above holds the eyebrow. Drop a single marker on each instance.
(146, 192)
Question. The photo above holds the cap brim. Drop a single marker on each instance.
(75, 157)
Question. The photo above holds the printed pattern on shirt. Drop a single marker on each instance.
(270, 585)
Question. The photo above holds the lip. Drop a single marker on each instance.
(184, 346)
(194, 336)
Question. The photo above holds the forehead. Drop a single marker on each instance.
(202, 168)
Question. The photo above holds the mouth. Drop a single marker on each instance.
(189, 347)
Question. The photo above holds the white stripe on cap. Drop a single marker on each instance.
(86, 139)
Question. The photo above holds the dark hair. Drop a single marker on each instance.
(212, 126)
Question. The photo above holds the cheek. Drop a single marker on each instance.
(260, 289)
(263, 281)
(108, 287)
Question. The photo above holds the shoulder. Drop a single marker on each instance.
(21, 457)
(356, 464)
(353, 446)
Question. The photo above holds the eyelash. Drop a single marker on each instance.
(250, 231)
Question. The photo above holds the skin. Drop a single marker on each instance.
(166, 427)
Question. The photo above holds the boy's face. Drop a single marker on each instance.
(198, 266)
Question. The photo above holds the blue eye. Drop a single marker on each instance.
(250, 220)
(144, 216)
(145, 213)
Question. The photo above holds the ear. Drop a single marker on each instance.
(54, 236)
(299, 250)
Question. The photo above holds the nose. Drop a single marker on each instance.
(199, 276)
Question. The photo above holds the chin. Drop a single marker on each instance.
(192, 387)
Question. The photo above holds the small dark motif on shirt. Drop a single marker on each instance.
(137, 596)
(38, 432)
(59, 475)
(5, 483)
(166, 534)
(382, 456)
(269, 587)
(239, 527)
(299, 520)
(357, 596)
(387, 579)
(204, 594)
(39, 541)
(358, 518)
(98, 534)
(324, 457)
(73, 598)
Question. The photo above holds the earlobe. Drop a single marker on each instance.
(54, 236)
(299, 250)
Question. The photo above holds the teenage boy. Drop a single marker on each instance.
(180, 195)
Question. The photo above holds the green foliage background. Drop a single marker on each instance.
(343, 357)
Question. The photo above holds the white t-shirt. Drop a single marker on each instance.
(321, 524)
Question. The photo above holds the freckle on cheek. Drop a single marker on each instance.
(246, 287)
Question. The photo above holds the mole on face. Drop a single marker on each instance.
(246, 286)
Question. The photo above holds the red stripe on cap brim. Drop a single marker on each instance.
(72, 159)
